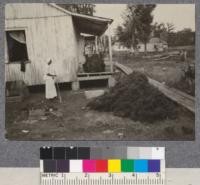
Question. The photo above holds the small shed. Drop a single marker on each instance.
(35, 32)
(118, 46)
(154, 44)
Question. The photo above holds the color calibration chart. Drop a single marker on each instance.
(102, 165)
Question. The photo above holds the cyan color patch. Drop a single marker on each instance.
(140, 165)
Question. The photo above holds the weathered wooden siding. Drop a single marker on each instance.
(30, 10)
(47, 37)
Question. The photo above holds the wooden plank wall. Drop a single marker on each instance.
(47, 37)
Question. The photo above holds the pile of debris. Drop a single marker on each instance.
(135, 98)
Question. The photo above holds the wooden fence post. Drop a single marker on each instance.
(110, 47)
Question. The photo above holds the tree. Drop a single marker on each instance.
(184, 37)
(162, 30)
(157, 29)
(124, 37)
(126, 33)
(87, 9)
(170, 27)
(136, 26)
(145, 19)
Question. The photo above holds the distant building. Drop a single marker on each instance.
(154, 44)
(118, 46)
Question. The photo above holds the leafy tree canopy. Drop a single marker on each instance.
(136, 26)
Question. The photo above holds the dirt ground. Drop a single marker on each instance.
(168, 71)
(162, 71)
(37, 119)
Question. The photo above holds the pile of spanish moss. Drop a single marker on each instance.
(134, 97)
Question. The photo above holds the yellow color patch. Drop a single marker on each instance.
(114, 166)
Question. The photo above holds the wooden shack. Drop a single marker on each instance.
(36, 32)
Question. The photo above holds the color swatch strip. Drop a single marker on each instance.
(102, 153)
(100, 166)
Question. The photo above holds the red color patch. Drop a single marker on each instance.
(101, 165)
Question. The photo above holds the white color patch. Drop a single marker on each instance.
(76, 166)
(41, 166)
(158, 153)
(145, 152)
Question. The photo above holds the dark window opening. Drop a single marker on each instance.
(16, 43)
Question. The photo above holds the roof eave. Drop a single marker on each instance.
(102, 19)
(60, 8)
(81, 15)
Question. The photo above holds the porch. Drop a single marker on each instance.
(92, 29)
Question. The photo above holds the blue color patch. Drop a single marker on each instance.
(140, 165)
(154, 165)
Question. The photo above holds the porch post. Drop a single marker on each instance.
(110, 48)
(96, 44)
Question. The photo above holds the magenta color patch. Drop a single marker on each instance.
(89, 166)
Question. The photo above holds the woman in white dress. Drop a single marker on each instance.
(50, 75)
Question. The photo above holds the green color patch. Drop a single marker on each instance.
(127, 165)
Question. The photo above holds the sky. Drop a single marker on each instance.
(181, 15)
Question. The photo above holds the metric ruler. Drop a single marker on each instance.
(102, 166)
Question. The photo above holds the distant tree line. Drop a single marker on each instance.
(162, 30)
(138, 27)
(185, 37)
(167, 33)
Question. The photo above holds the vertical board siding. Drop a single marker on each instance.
(30, 10)
(49, 37)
